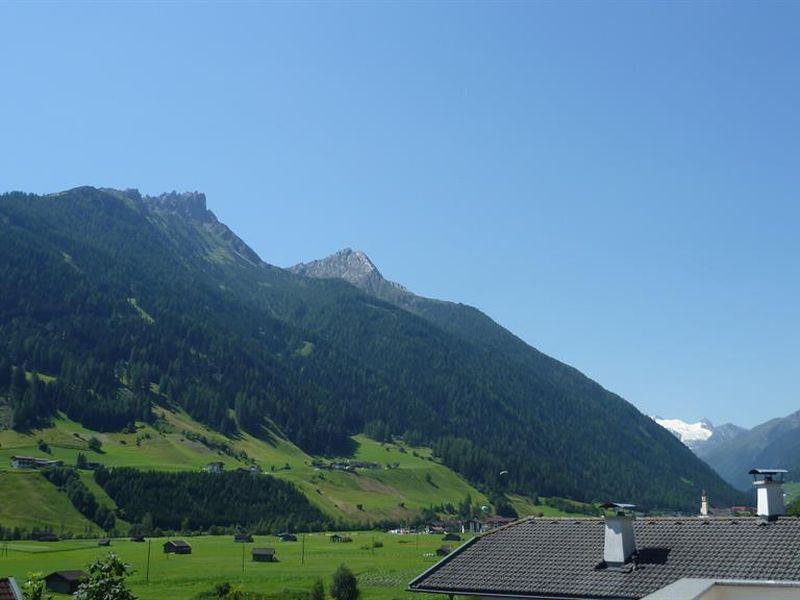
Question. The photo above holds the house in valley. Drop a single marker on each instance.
(64, 582)
(32, 462)
(177, 547)
(243, 538)
(443, 550)
(264, 554)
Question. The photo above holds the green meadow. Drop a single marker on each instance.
(383, 572)
(409, 479)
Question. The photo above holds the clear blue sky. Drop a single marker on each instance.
(617, 183)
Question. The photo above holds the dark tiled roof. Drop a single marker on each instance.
(560, 557)
(265, 551)
(177, 544)
(8, 591)
(68, 575)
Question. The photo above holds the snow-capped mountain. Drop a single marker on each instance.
(701, 437)
(693, 435)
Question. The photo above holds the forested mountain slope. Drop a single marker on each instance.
(126, 301)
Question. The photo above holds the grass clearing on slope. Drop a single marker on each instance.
(28, 500)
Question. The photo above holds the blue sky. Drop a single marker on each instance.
(614, 182)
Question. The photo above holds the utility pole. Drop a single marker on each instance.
(243, 547)
(303, 550)
(147, 573)
(373, 545)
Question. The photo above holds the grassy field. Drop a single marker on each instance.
(382, 572)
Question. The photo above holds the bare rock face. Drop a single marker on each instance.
(190, 204)
(353, 266)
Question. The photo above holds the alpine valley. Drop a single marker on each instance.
(141, 336)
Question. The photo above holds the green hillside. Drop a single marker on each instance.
(409, 479)
(130, 303)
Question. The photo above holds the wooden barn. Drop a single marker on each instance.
(342, 539)
(177, 547)
(64, 582)
(264, 554)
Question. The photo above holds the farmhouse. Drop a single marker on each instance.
(243, 538)
(31, 462)
(177, 547)
(623, 557)
(287, 537)
(336, 537)
(264, 554)
(64, 582)
(9, 590)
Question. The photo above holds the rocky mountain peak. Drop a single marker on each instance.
(190, 204)
(353, 266)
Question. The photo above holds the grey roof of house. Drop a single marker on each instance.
(263, 551)
(562, 558)
(178, 543)
(68, 575)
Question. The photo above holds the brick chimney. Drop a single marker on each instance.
(619, 543)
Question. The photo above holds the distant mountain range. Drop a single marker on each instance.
(123, 302)
(732, 451)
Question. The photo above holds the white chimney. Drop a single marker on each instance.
(619, 543)
(704, 504)
(769, 492)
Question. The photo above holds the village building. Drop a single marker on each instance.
(32, 462)
(623, 557)
(443, 550)
(337, 537)
(64, 582)
(177, 547)
(214, 467)
(243, 538)
(451, 537)
(287, 537)
(9, 590)
(264, 554)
